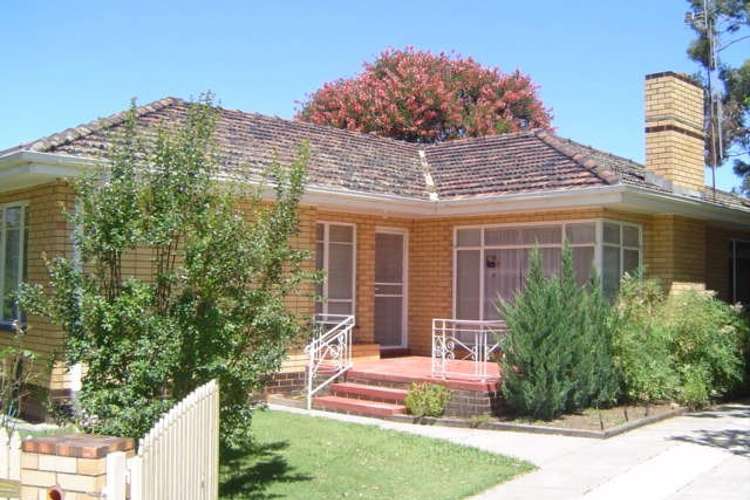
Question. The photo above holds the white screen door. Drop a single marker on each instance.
(390, 288)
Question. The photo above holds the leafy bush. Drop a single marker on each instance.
(427, 400)
(558, 351)
(17, 376)
(708, 341)
(688, 346)
(642, 344)
(215, 303)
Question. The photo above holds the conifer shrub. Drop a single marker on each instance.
(558, 351)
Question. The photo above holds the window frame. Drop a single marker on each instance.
(326, 242)
(598, 245)
(733, 257)
(23, 205)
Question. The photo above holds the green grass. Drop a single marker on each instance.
(297, 456)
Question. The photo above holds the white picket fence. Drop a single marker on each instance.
(177, 459)
(10, 463)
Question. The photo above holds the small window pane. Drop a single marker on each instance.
(502, 236)
(341, 234)
(580, 233)
(13, 217)
(339, 307)
(611, 233)
(469, 237)
(611, 270)
(630, 260)
(319, 232)
(389, 258)
(541, 235)
(583, 263)
(630, 236)
(467, 284)
(11, 262)
(319, 266)
(340, 260)
(551, 260)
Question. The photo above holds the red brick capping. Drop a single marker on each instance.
(77, 445)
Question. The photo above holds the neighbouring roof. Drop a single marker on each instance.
(530, 161)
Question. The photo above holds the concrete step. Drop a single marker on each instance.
(369, 392)
(357, 406)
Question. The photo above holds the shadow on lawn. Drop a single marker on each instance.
(250, 474)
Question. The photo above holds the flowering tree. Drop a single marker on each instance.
(418, 96)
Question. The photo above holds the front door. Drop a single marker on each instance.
(390, 288)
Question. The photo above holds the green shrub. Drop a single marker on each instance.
(709, 338)
(694, 391)
(558, 351)
(427, 400)
(688, 347)
(642, 344)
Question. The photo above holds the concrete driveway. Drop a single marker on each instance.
(703, 456)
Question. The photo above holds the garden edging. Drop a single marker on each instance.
(538, 429)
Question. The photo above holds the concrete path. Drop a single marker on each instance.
(698, 456)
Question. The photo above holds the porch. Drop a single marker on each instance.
(464, 359)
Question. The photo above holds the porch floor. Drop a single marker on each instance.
(409, 369)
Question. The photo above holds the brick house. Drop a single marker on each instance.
(409, 232)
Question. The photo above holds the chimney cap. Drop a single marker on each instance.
(680, 76)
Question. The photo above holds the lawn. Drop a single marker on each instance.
(297, 456)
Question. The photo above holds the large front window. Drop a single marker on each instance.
(491, 262)
(12, 259)
(335, 255)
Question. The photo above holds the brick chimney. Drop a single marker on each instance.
(674, 130)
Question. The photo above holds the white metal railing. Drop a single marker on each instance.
(177, 458)
(464, 340)
(330, 351)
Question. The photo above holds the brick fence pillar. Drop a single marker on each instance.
(75, 464)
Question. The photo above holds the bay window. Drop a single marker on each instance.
(335, 255)
(12, 259)
(491, 262)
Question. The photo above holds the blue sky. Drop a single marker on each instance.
(65, 63)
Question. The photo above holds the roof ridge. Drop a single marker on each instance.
(429, 180)
(464, 140)
(71, 134)
(557, 144)
(601, 151)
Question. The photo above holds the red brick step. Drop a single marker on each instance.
(357, 406)
(370, 392)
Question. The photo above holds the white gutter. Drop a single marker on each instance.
(27, 168)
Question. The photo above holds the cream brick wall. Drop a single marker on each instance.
(675, 251)
(48, 234)
(674, 130)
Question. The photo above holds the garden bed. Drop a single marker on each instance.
(591, 423)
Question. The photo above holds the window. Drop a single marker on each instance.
(621, 253)
(335, 255)
(739, 271)
(492, 261)
(12, 259)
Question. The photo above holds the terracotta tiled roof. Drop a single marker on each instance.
(249, 142)
(509, 163)
(531, 161)
(635, 174)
